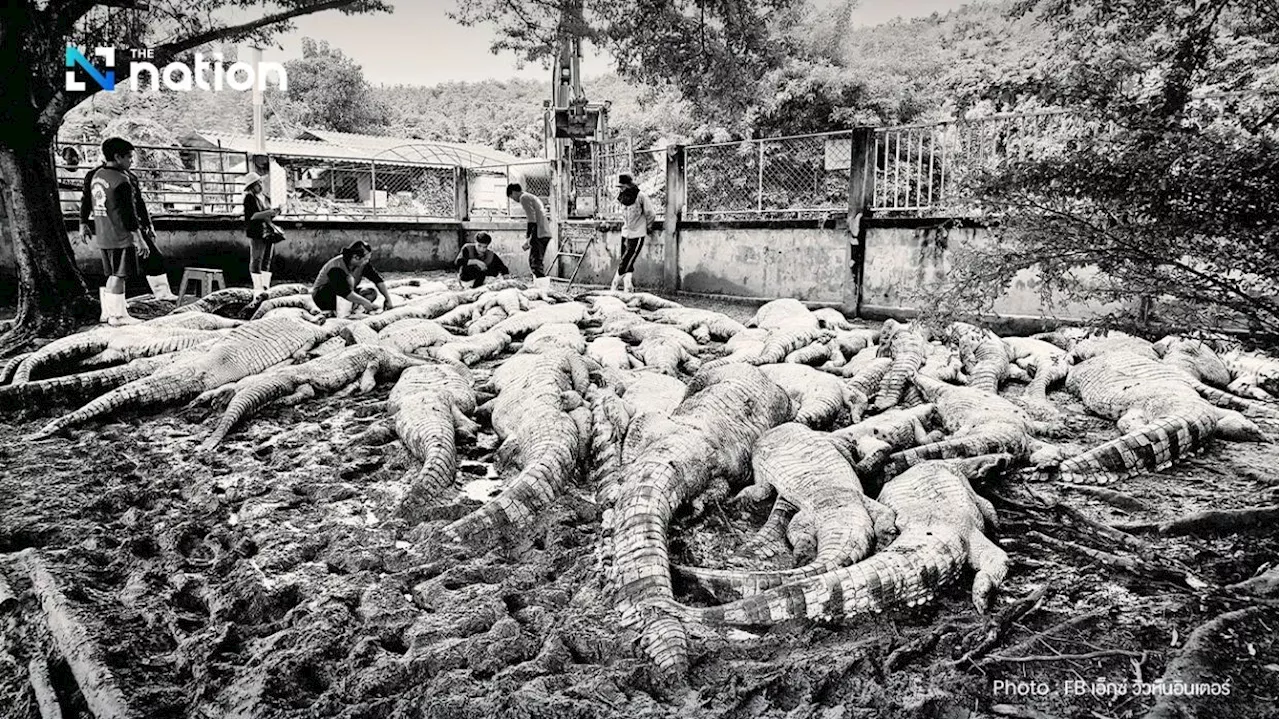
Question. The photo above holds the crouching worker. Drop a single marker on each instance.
(476, 262)
(109, 213)
(335, 286)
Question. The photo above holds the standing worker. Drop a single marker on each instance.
(538, 230)
(111, 199)
(261, 231)
(637, 214)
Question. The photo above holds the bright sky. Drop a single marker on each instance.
(419, 45)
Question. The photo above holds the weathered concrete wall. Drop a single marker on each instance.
(900, 262)
(786, 259)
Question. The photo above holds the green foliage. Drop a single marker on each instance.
(328, 91)
(1170, 209)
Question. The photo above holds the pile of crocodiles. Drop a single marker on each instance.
(865, 439)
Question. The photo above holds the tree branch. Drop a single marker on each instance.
(168, 51)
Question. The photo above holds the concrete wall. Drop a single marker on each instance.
(902, 261)
(787, 259)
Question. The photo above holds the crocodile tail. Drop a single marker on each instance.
(1001, 438)
(83, 347)
(247, 402)
(896, 576)
(534, 488)
(77, 386)
(662, 636)
(145, 392)
(428, 431)
(11, 365)
(1148, 449)
(906, 362)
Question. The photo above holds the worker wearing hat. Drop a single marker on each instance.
(262, 234)
(637, 214)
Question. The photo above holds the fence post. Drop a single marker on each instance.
(373, 187)
(862, 177)
(760, 178)
(461, 196)
(200, 178)
(676, 159)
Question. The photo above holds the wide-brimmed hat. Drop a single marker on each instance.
(625, 180)
(249, 179)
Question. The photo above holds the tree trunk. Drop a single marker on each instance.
(52, 295)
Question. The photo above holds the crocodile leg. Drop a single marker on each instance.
(990, 439)
(770, 540)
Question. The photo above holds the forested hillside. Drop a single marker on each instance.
(903, 71)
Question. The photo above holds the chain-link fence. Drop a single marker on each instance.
(800, 176)
(360, 189)
(174, 180)
(925, 168)
(487, 188)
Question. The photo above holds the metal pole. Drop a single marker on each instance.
(373, 186)
(760, 179)
(259, 132)
(200, 175)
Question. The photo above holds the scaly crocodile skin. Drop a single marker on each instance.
(783, 341)
(243, 351)
(564, 335)
(473, 350)
(413, 334)
(326, 374)
(1100, 344)
(610, 352)
(522, 323)
(978, 423)
(940, 520)
(983, 354)
(876, 438)
(811, 471)
(299, 301)
(710, 434)
(194, 321)
(713, 324)
(229, 301)
(1158, 409)
(819, 398)
(112, 344)
(648, 397)
(1195, 358)
(830, 318)
(1044, 360)
(83, 386)
(430, 405)
(907, 346)
(744, 347)
(664, 348)
(784, 313)
(537, 392)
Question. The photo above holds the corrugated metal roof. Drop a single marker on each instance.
(322, 144)
(411, 150)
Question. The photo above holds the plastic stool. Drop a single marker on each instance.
(206, 280)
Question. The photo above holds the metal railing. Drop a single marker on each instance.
(924, 168)
(797, 176)
(175, 180)
(366, 189)
(487, 187)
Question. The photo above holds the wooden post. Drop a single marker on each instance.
(862, 177)
(676, 157)
(461, 194)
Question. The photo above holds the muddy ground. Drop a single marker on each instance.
(268, 580)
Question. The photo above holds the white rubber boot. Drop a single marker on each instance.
(120, 311)
(627, 285)
(613, 284)
(342, 308)
(160, 287)
(103, 302)
(265, 278)
(256, 278)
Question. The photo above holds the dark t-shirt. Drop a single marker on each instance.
(252, 206)
(335, 280)
(109, 206)
(493, 264)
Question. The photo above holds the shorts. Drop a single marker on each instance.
(120, 262)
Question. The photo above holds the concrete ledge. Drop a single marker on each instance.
(1001, 324)
(923, 223)
(828, 223)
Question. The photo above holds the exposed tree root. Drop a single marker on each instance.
(999, 625)
(1027, 659)
(1214, 522)
(75, 643)
(1199, 663)
(1263, 586)
(1119, 500)
(1132, 565)
(1026, 644)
